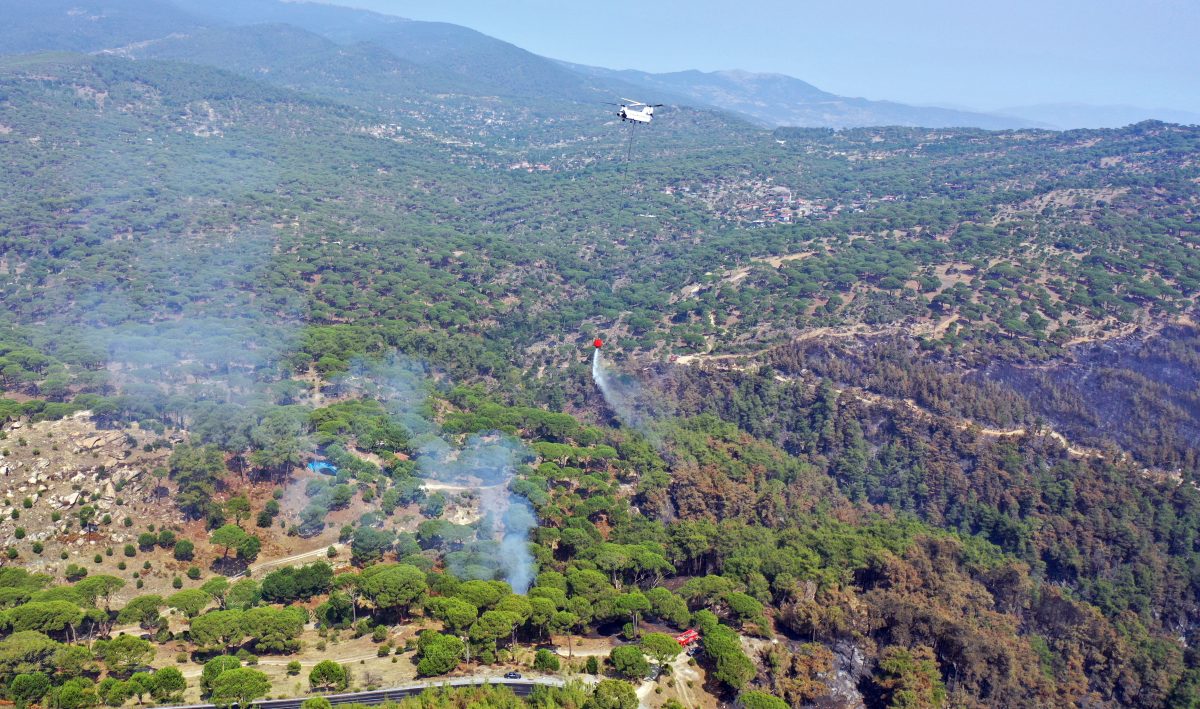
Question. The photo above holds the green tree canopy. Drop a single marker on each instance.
(213, 669)
(328, 675)
(239, 686)
(437, 653)
(612, 694)
(629, 662)
(189, 602)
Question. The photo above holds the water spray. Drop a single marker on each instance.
(623, 394)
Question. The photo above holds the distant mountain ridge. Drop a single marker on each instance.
(780, 100)
(393, 55)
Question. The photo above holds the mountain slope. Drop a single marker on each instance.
(342, 24)
(155, 198)
(86, 25)
(361, 74)
(779, 100)
(501, 67)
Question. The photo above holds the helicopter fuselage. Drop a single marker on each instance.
(643, 115)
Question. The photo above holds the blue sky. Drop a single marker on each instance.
(972, 53)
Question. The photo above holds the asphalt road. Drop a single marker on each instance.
(520, 687)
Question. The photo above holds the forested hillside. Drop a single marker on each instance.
(294, 385)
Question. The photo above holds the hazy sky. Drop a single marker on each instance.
(978, 53)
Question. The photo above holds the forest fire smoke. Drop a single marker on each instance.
(624, 397)
(485, 463)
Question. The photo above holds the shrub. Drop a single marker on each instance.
(184, 550)
(546, 661)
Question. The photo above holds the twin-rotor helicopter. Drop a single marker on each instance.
(636, 111)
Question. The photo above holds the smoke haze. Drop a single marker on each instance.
(625, 398)
(484, 464)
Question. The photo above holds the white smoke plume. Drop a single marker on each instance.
(625, 398)
(485, 464)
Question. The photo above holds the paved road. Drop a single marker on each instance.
(520, 687)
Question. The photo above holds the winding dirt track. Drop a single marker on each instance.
(315, 553)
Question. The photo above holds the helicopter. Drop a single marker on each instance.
(636, 111)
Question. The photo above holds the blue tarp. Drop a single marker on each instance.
(323, 466)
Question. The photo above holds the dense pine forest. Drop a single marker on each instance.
(298, 392)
